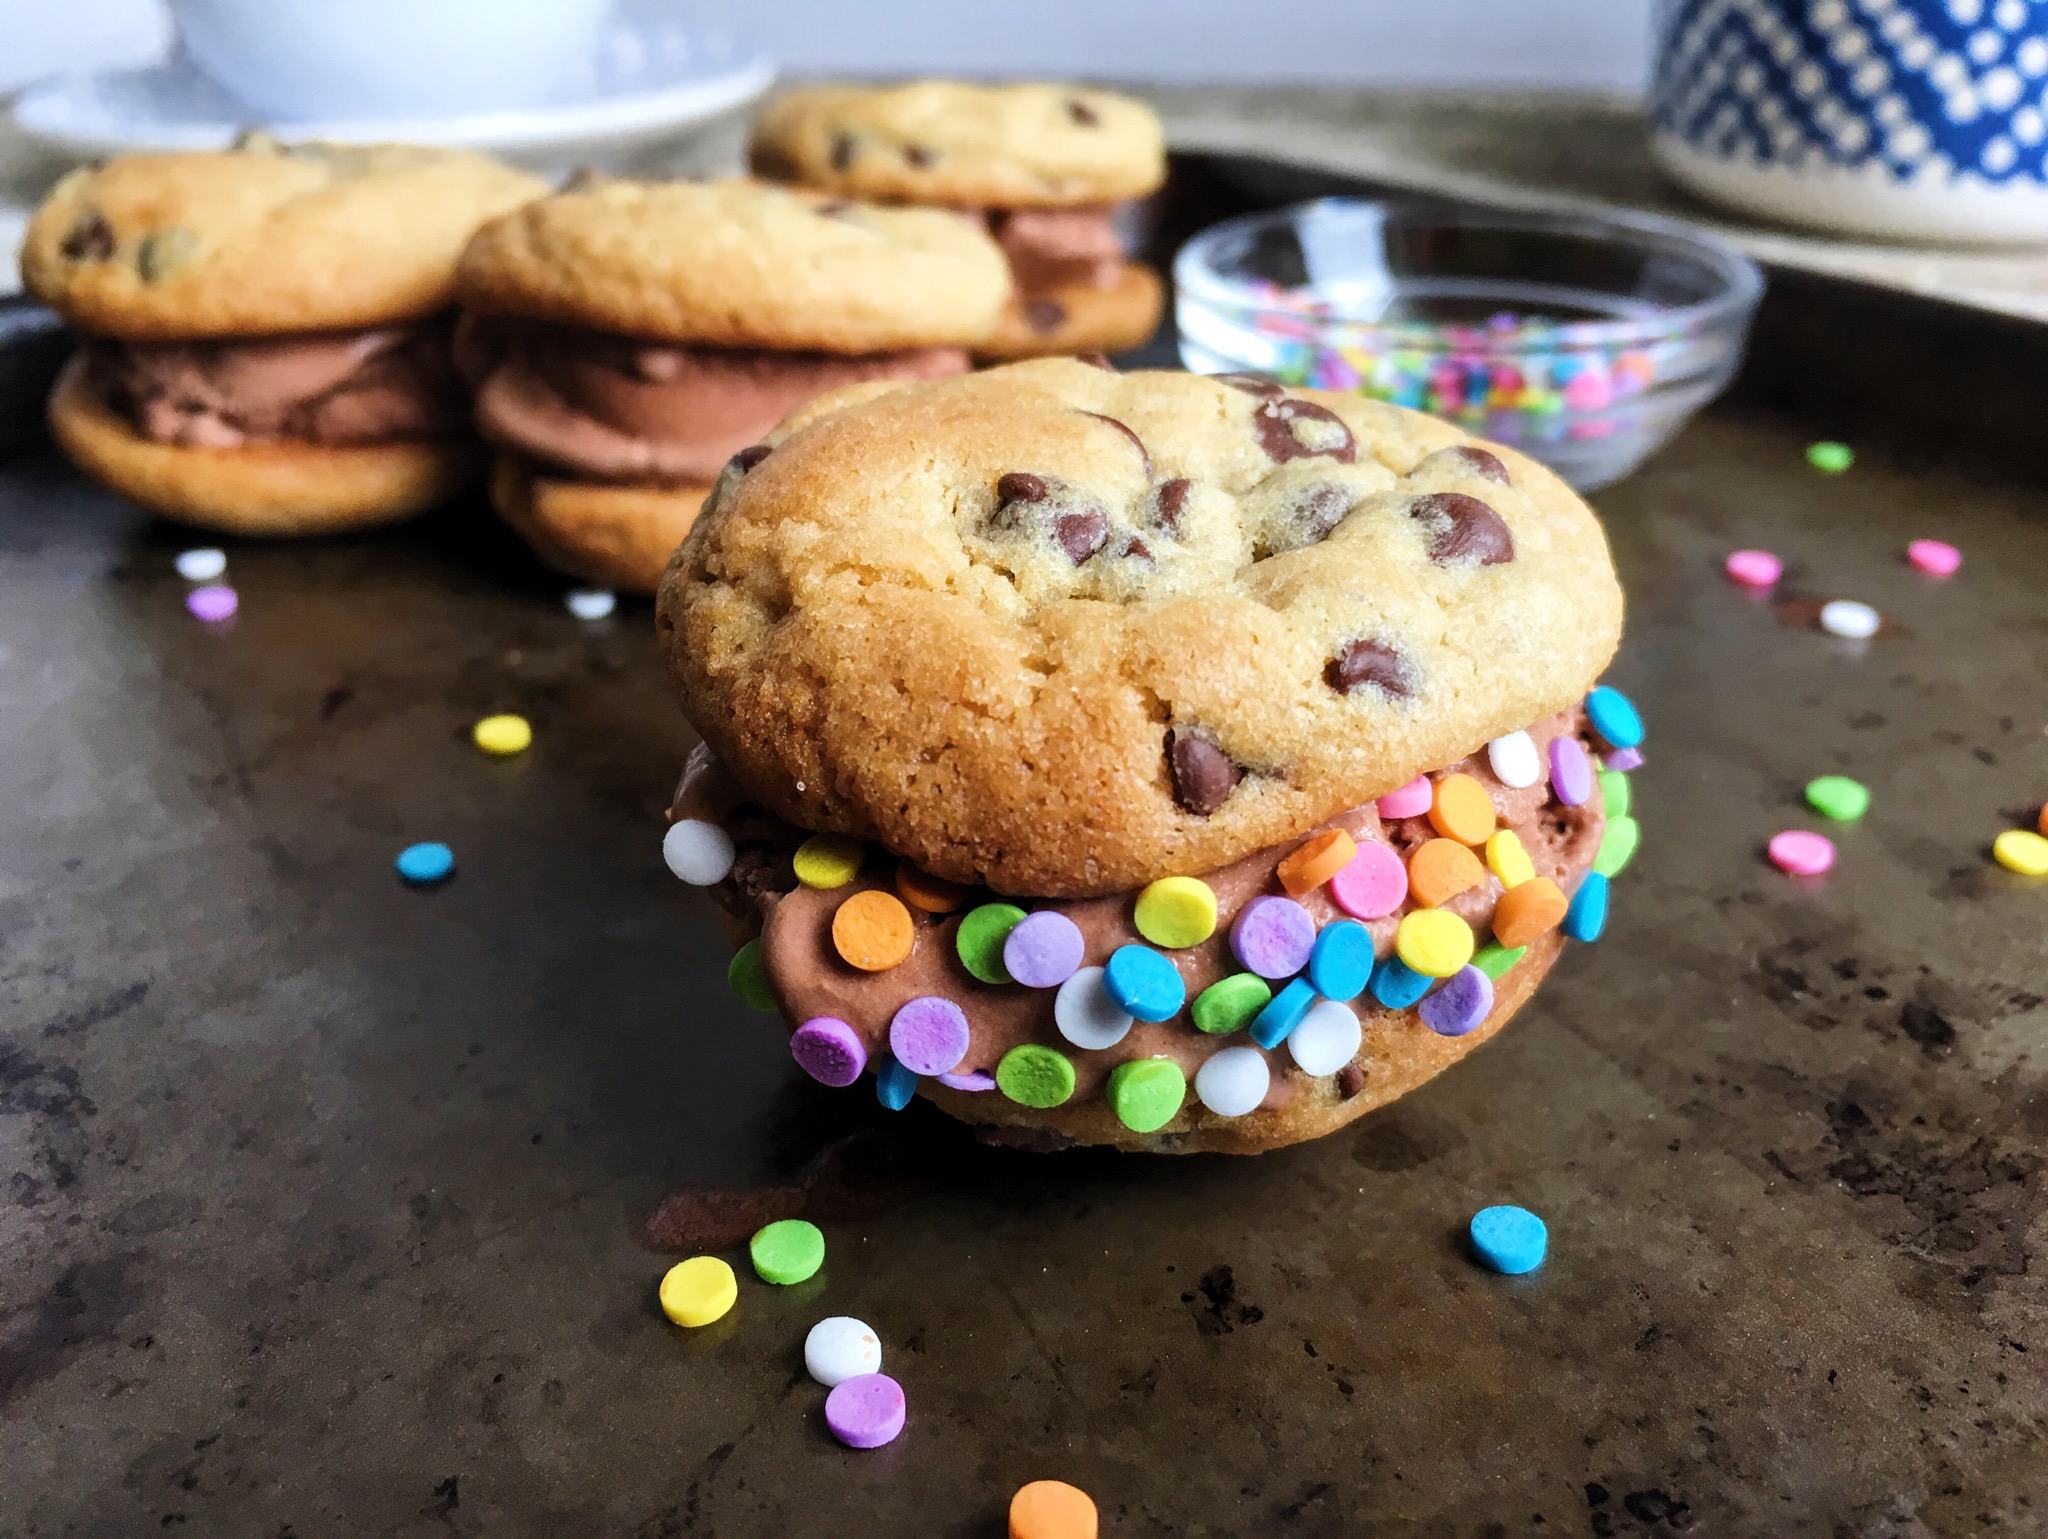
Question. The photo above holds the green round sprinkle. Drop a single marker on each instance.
(1614, 793)
(1494, 959)
(749, 979)
(1146, 1092)
(1037, 1076)
(790, 1250)
(1838, 797)
(1617, 846)
(1833, 458)
(1229, 1004)
(981, 936)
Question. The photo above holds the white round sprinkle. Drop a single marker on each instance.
(1233, 1081)
(591, 603)
(698, 852)
(1514, 760)
(1085, 1013)
(203, 564)
(1846, 617)
(841, 1348)
(1326, 1039)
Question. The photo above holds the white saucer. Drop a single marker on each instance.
(647, 78)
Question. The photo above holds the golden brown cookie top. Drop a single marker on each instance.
(966, 146)
(1065, 631)
(262, 239)
(741, 264)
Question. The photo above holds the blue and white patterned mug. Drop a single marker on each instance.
(1914, 119)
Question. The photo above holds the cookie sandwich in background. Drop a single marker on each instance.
(627, 339)
(1052, 169)
(1169, 762)
(266, 331)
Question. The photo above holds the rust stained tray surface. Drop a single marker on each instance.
(324, 1199)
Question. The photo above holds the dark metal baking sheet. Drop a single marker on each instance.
(325, 1200)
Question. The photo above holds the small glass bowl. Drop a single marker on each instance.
(1585, 342)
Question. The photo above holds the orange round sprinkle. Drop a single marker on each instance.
(1527, 910)
(872, 930)
(1462, 810)
(2044, 818)
(922, 890)
(1442, 869)
(1315, 860)
(1051, 1509)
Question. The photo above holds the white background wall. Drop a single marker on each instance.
(1586, 44)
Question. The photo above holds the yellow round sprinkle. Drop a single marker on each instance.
(503, 734)
(2021, 850)
(1177, 911)
(828, 860)
(698, 1291)
(1434, 942)
(1506, 859)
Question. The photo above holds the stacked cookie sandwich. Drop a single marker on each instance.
(266, 330)
(1153, 760)
(627, 339)
(1052, 169)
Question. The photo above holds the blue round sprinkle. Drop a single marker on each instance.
(424, 863)
(1341, 965)
(1282, 1013)
(894, 1084)
(1509, 1239)
(1587, 916)
(1397, 985)
(1144, 984)
(1614, 717)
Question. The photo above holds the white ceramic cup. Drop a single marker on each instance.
(303, 60)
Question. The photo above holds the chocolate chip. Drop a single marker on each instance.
(749, 457)
(1462, 528)
(1203, 776)
(1020, 486)
(1252, 384)
(1473, 461)
(1044, 315)
(164, 252)
(90, 240)
(920, 157)
(1096, 360)
(844, 148)
(1350, 1080)
(1136, 442)
(1310, 516)
(1080, 532)
(1137, 550)
(1083, 114)
(837, 208)
(1371, 663)
(1293, 430)
(1169, 501)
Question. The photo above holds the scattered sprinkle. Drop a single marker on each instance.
(1176, 912)
(1465, 1000)
(1494, 959)
(1830, 458)
(1373, 885)
(1849, 618)
(212, 603)
(866, 1410)
(201, 565)
(1571, 773)
(1434, 942)
(788, 1251)
(1275, 1024)
(1087, 1016)
(1528, 910)
(1462, 810)
(2042, 821)
(839, 1348)
(1341, 964)
(1838, 797)
(1234, 1081)
(829, 1050)
(1614, 793)
(872, 931)
(1586, 918)
(1148, 986)
(929, 1035)
(895, 1082)
(1043, 950)
(423, 864)
(1623, 760)
(591, 603)
(1515, 760)
(1272, 937)
(1614, 717)
(923, 891)
(826, 861)
(1314, 861)
(1146, 1093)
(2022, 850)
(1327, 1038)
(1617, 846)
(1798, 852)
(980, 938)
(1231, 1004)
(698, 852)
(748, 978)
(1397, 985)
(1754, 568)
(1937, 558)
(1052, 1509)
(1509, 1239)
(1034, 1075)
(698, 1291)
(1411, 801)
(503, 734)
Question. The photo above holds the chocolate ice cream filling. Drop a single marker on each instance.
(810, 981)
(350, 387)
(614, 408)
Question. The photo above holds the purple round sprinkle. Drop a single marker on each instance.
(973, 1079)
(929, 1035)
(1273, 937)
(1044, 950)
(1465, 1000)
(1624, 759)
(829, 1050)
(215, 601)
(866, 1410)
(1571, 775)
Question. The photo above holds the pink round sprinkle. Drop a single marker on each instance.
(1372, 885)
(1623, 759)
(1411, 801)
(1273, 937)
(830, 1051)
(1043, 950)
(1754, 568)
(866, 1410)
(1800, 853)
(929, 1035)
(1571, 775)
(1937, 558)
(215, 601)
